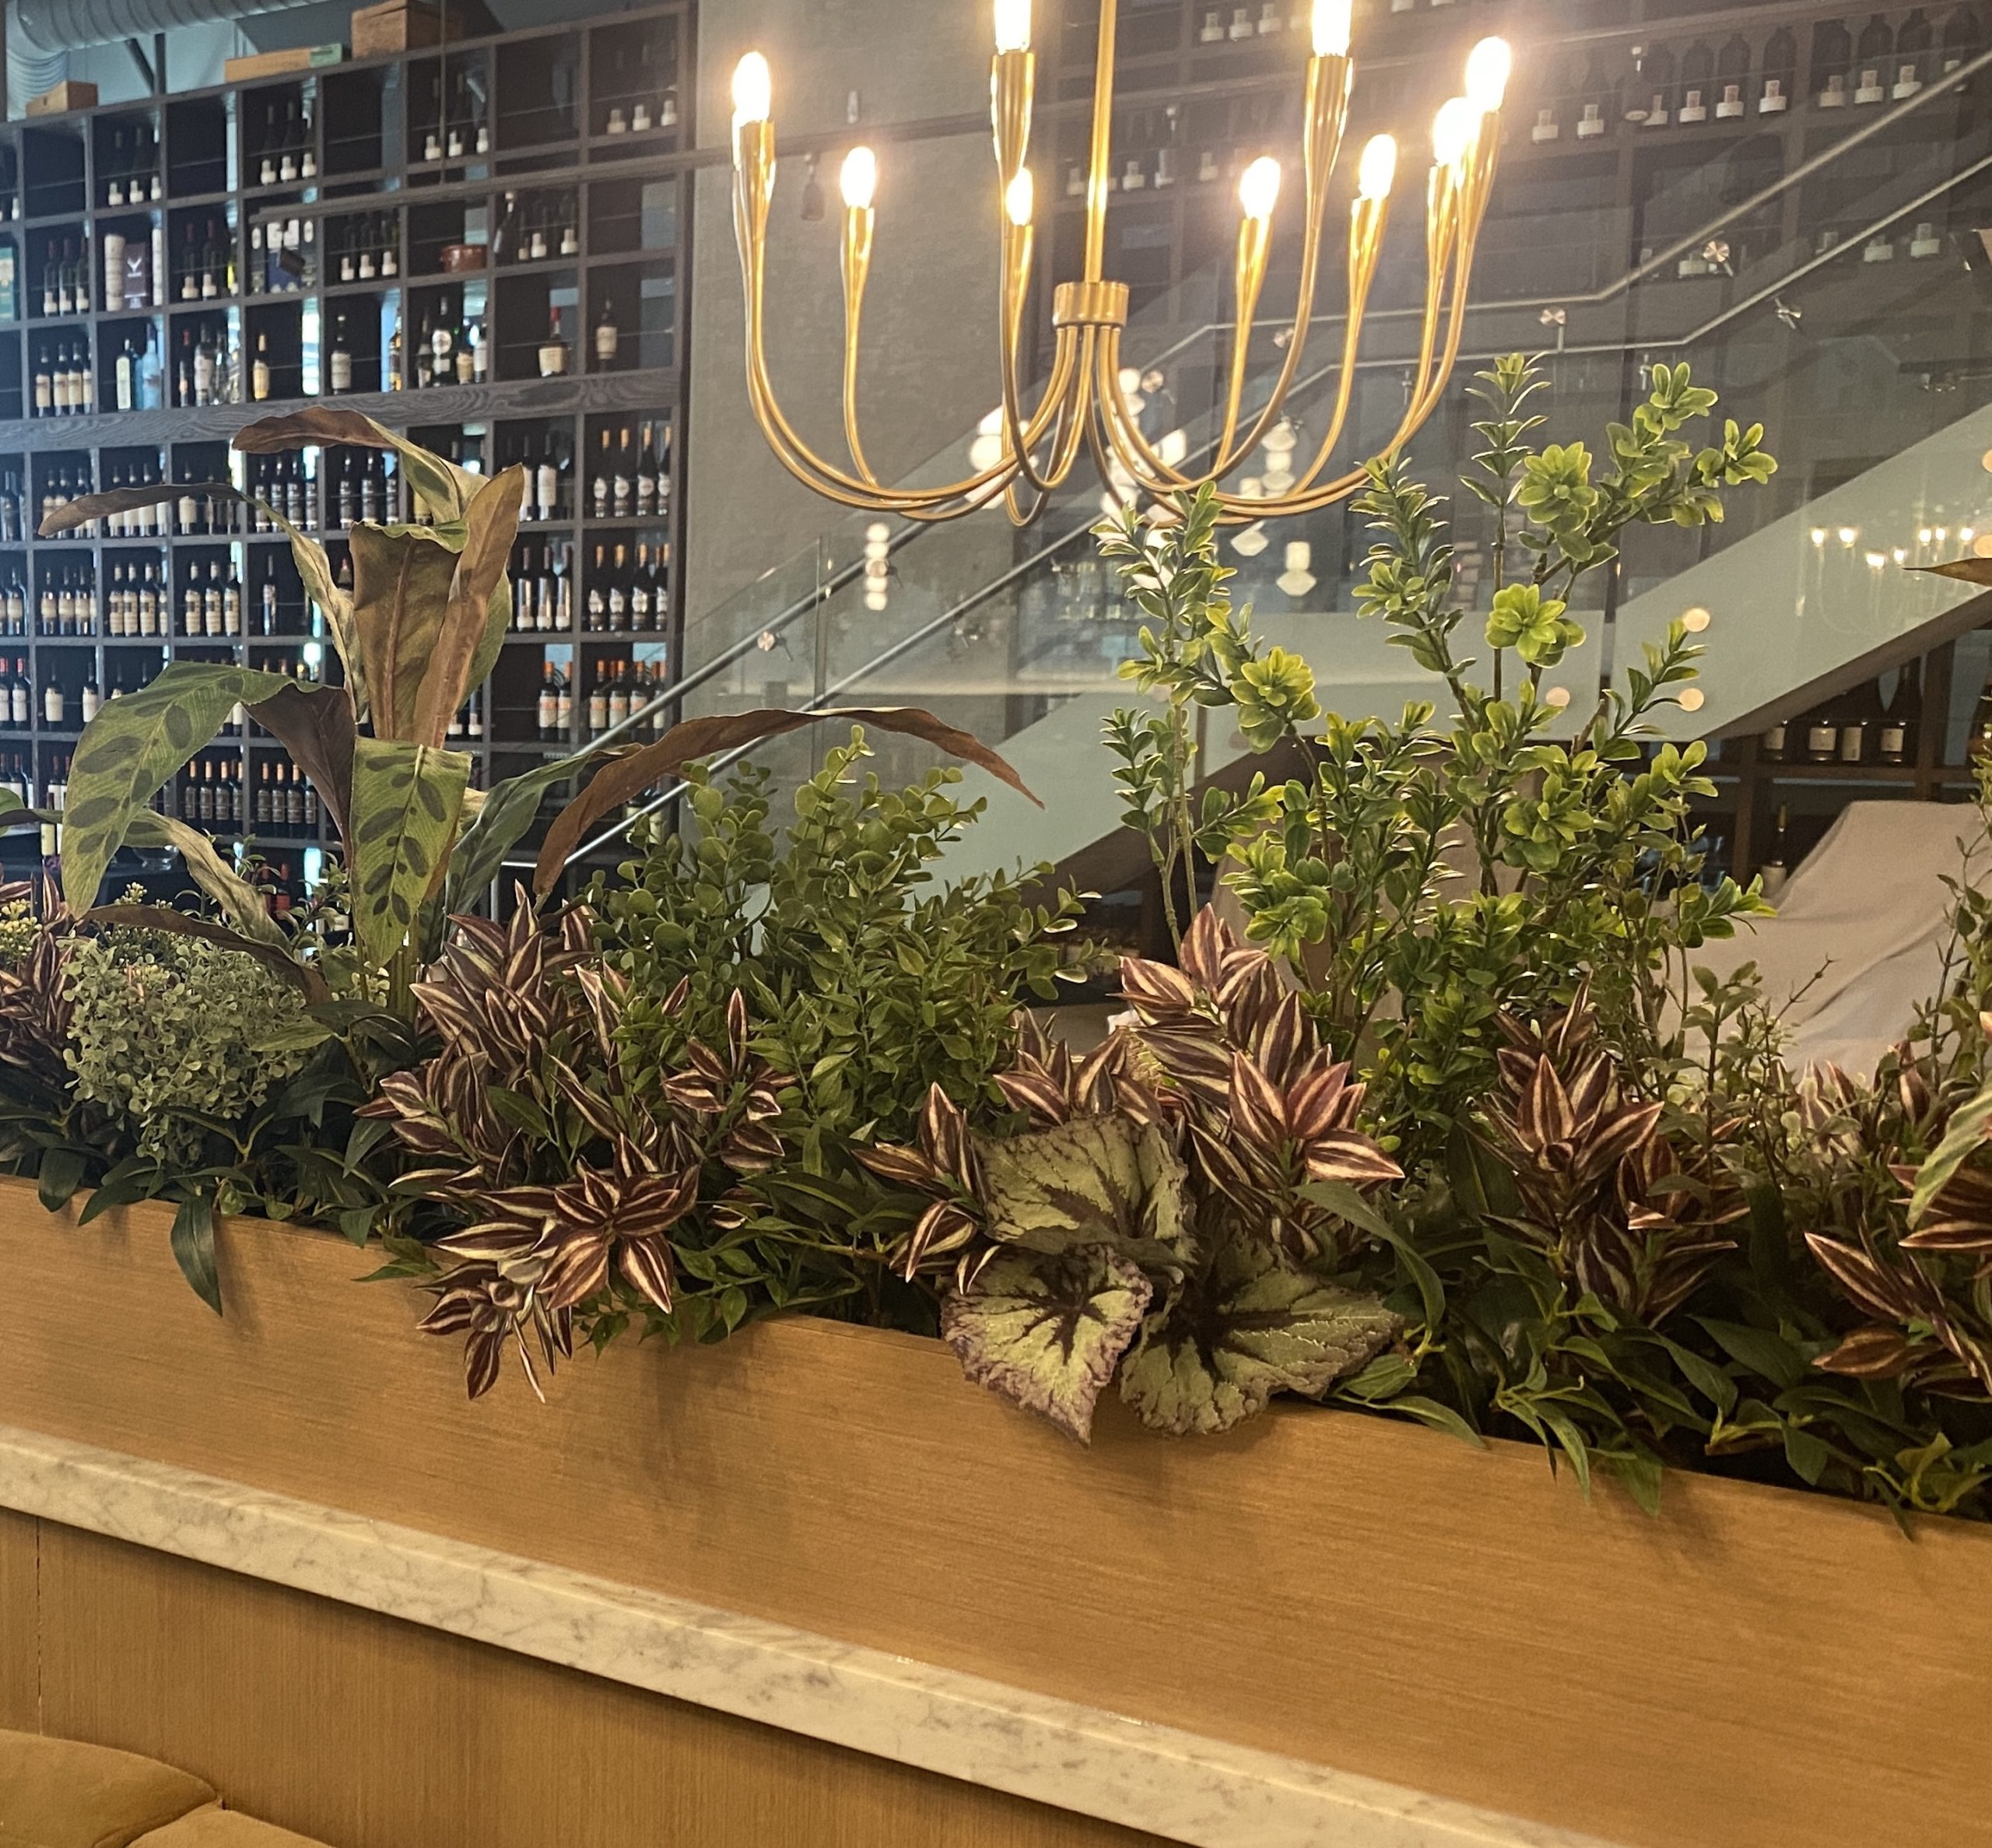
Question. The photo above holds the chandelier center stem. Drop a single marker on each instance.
(1102, 143)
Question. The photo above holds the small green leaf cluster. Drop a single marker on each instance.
(167, 1029)
(869, 977)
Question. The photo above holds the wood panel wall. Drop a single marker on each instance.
(361, 1731)
(20, 1654)
(1758, 1667)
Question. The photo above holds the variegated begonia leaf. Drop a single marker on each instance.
(1096, 1180)
(1214, 1357)
(1048, 1332)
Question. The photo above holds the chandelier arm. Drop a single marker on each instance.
(1055, 415)
(1137, 456)
(1475, 189)
(1331, 81)
(1367, 223)
(1069, 370)
(1254, 242)
(856, 265)
(1022, 444)
(753, 191)
(813, 471)
(1441, 245)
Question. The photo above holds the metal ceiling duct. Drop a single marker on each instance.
(51, 25)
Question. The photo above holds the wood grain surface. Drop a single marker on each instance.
(1757, 1667)
(20, 1666)
(363, 1732)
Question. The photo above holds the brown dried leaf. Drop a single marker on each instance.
(627, 776)
(317, 729)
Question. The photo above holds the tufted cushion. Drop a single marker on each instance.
(56, 1793)
(217, 1828)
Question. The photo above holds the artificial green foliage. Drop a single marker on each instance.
(1049, 1335)
(1463, 858)
(406, 800)
(1623, 1230)
(693, 1074)
(1262, 1326)
(166, 1029)
(869, 979)
(18, 927)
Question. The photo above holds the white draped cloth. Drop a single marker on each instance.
(1857, 943)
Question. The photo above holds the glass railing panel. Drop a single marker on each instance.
(1849, 358)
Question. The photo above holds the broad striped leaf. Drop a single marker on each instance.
(401, 590)
(407, 802)
(241, 902)
(442, 490)
(509, 810)
(473, 626)
(132, 749)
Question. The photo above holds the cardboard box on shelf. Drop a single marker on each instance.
(276, 63)
(409, 25)
(63, 97)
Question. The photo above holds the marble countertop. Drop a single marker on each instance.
(1082, 1759)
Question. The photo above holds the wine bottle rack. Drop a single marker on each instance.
(448, 157)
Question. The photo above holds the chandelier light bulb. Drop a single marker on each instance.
(1488, 68)
(860, 179)
(1378, 173)
(1331, 27)
(1258, 190)
(1020, 199)
(753, 89)
(1453, 131)
(1012, 24)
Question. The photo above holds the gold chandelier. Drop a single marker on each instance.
(1086, 401)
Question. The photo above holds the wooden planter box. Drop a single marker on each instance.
(1754, 1667)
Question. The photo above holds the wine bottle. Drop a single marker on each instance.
(553, 349)
(1961, 38)
(1916, 45)
(1777, 867)
(339, 360)
(259, 374)
(1732, 79)
(648, 469)
(1872, 55)
(1832, 63)
(1903, 720)
(1697, 80)
(608, 337)
(602, 487)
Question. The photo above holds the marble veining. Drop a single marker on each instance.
(1170, 1783)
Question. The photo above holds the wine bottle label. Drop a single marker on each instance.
(1822, 741)
(606, 342)
(1895, 739)
(341, 371)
